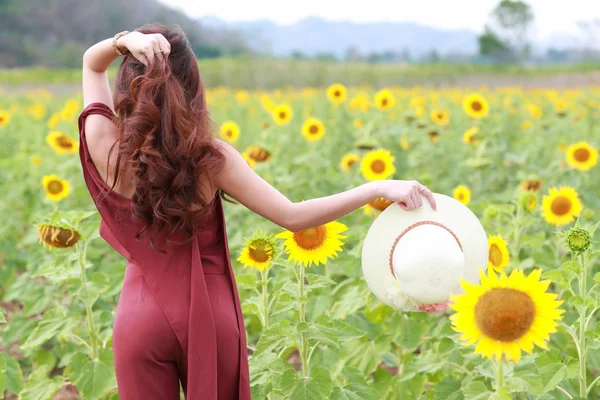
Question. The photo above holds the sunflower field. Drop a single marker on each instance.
(524, 161)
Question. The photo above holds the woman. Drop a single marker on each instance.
(156, 172)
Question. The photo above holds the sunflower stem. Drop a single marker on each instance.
(499, 375)
(302, 318)
(564, 392)
(589, 389)
(264, 274)
(88, 309)
(582, 326)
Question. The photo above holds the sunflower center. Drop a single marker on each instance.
(384, 102)
(461, 196)
(380, 203)
(504, 314)
(440, 116)
(64, 142)
(350, 162)
(282, 114)
(259, 254)
(337, 93)
(560, 205)
(581, 155)
(228, 133)
(378, 166)
(55, 187)
(476, 105)
(495, 255)
(1, 119)
(310, 238)
(313, 129)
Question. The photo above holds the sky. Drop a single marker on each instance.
(551, 16)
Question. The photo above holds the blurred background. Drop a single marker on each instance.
(269, 43)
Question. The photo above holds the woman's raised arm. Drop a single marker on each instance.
(240, 181)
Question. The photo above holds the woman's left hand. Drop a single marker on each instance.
(146, 48)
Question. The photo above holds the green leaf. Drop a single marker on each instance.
(51, 324)
(409, 329)
(525, 378)
(40, 387)
(476, 391)
(58, 270)
(316, 281)
(75, 366)
(14, 375)
(574, 266)
(275, 337)
(597, 278)
(553, 374)
(2, 373)
(2, 319)
(94, 379)
(347, 332)
(92, 289)
(448, 388)
(315, 387)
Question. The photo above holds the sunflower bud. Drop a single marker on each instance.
(365, 143)
(578, 239)
(490, 212)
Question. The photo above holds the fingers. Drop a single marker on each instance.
(165, 46)
(148, 51)
(417, 194)
(407, 203)
(429, 196)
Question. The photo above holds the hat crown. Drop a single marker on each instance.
(428, 263)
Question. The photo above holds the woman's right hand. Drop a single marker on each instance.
(406, 193)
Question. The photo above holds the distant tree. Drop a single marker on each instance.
(510, 24)
(490, 45)
(433, 56)
(405, 55)
(352, 54)
(298, 55)
(325, 57)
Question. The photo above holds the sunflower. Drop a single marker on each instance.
(462, 194)
(36, 161)
(498, 257)
(241, 96)
(469, 136)
(53, 121)
(37, 111)
(57, 235)
(533, 185)
(360, 102)
(282, 114)
(230, 131)
(529, 200)
(257, 154)
(266, 103)
(404, 145)
(337, 93)
(68, 113)
(258, 252)
(4, 118)
(250, 161)
(476, 106)
(313, 129)
(348, 160)
(506, 314)
(376, 206)
(358, 123)
(61, 143)
(561, 206)
(314, 245)
(526, 125)
(377, 164)
(440, 117)
(434, 136)
(582, 156)
(384, 99)
(55, 188)
(534, 111)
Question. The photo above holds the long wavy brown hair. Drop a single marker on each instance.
(165, 137)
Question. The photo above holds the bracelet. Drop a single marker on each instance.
(114, 42)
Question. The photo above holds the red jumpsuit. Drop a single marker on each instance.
(178, 315)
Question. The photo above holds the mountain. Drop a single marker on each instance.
(314, 35)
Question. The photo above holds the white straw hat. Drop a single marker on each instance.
(413, 260)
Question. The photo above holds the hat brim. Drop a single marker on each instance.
(392, 221)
